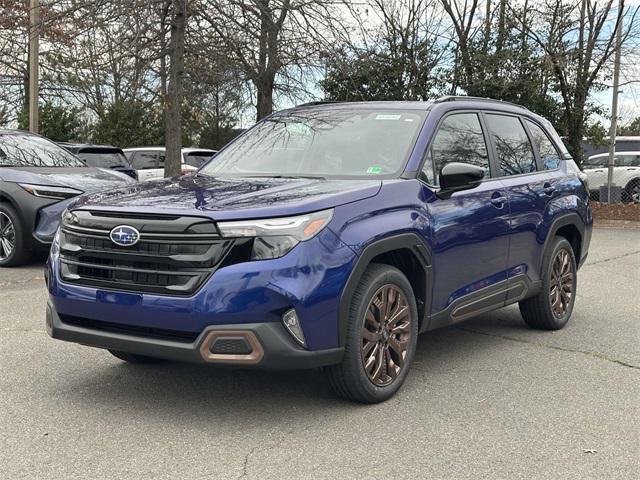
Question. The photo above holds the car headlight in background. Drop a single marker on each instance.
(47, 191)
(274, 237)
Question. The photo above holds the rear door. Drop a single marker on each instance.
(469, 229)
(528, 188)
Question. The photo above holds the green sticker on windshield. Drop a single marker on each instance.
(374, 170)
(298, 128)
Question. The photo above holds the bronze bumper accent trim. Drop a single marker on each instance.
(257, 352)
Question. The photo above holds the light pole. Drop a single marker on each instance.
(34, 53)
(614, 107)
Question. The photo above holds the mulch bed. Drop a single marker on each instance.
(616, 211)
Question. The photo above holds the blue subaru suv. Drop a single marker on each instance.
(329, 235)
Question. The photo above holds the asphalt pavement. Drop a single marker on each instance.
(488, 398)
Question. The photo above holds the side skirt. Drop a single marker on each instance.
(485, 300)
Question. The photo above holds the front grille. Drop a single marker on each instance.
(174, 255)
(147, 332)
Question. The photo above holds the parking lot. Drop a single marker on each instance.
(489, 398)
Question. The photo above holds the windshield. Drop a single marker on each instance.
(326, 143)
(25, 150)
(104, 158)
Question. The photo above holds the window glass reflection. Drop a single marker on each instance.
(515, 153)
(459, 139)
(548, 153)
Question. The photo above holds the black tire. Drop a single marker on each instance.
(133, 358)
(538, 311)
(349, 378)
(631, 193)
(20, 252)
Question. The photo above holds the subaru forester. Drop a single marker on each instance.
(329, 235)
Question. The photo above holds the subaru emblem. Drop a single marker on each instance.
(124, 235)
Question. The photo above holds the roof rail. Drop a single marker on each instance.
(319, 102)
(455, 98)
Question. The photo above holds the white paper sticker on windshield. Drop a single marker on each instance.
(387, 116)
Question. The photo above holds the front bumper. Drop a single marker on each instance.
(246, 297)
(274, 349)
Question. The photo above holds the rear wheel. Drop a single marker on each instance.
(381, 337)
(552, 307)
(13, 249)
(133, 358)
(632, 191)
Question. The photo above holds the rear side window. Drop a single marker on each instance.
(549, 156)
(514, 151)
(627, 160)
(459, 139)
(144, 160)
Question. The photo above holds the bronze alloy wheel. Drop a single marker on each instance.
(386, 335)
(561, 284)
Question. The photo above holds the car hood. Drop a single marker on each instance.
(232, 198)
(85, 179)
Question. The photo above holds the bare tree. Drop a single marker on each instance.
(394, 52)
(578, 41)
(268, 38)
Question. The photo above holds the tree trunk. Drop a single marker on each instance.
(264, 87)
(173, 117)
(575, 133)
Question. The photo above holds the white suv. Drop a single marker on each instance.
(626, 174)
(149, 161)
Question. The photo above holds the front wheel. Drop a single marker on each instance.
(552, 307)
(381, 337)
(13, 244)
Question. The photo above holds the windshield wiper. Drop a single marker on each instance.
(313, 177)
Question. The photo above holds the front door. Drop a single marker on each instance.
(470, 229)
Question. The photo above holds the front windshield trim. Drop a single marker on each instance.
(205, 169)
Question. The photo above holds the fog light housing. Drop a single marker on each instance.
(292, 324)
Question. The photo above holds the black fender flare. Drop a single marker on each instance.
(563, 220)
(408, 241)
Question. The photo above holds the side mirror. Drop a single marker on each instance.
(455, 177)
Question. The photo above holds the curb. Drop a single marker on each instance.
(622, 224)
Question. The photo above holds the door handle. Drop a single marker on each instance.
(548, 189)
(498, 200)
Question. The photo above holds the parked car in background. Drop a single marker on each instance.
(149, 161)
(102, 156)
(626, 174)
(367, 224)
(38, 179)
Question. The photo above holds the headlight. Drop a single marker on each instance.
(45, 191)
(274, 237)
(55, 245)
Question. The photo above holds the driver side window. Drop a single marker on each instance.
(459, 139)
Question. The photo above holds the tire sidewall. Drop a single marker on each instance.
(559, 244)
(18, 253)
(356, 322)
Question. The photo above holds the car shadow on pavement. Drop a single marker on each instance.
(194, 395)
